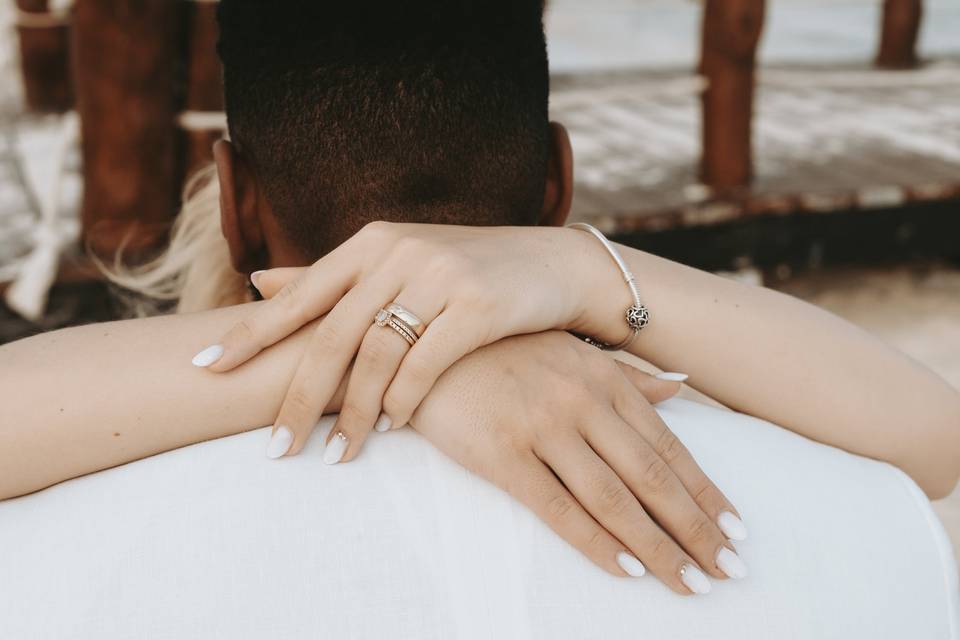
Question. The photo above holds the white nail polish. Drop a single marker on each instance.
(631, 565)
(383, 423)
(335, 448)
(254, 277)
(280, 442)
(732, 526)
(695, 580)
(671, 376)
(208, 356)
(731, 564)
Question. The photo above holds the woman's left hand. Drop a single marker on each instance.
(469, 286)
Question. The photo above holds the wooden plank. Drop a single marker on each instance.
(44, 58)
(126, 54)
(899, 31)
(204, 82)
(730, 34)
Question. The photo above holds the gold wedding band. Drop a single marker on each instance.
(401, 320)
(407, 317)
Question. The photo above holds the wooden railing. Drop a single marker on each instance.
(133, 78)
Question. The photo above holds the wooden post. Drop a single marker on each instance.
(731, 32)
(44, 57)
(899, 31)
(126, 55)
(204, 82)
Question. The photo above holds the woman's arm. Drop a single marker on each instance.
(751, 348)
(87, 398)
(773, 356)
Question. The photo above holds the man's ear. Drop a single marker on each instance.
(239, 215)
(559, 190)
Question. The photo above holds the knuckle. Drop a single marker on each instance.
(668, 446)
(614, 499)
(700, 530)
(326, 339)
(246, 331)
(660, 547)
(597, 539)
(559, 507)
(298, 404)
(352, 416)
(377, 230)
(656, 476)
(418, 370)
(374, 350)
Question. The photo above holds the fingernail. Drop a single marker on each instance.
(280, 442)
(732, 526)
(335, 448)
(254, 277)
(631, 565)
(694, 579)
(208, 356)
(383, 423)
(671, 376)
(731, 564)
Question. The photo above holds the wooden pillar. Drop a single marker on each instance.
(126, 55)
(731, 32)
(44, 57)
(899, 31)
(204, 82)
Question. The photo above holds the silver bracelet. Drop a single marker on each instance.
(637, 315)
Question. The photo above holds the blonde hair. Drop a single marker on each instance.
(194, 270)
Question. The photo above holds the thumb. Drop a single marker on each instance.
(652, 388)
(270, 281)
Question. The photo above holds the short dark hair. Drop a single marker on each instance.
(421, 111)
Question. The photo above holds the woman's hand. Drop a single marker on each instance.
(564, 429)
(470, 287)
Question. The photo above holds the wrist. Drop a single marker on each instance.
(604, 295)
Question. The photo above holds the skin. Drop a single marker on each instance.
(752, 349)
(572, 434)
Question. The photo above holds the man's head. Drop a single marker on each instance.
(421, 111)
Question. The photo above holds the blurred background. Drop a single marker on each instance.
(808, 145)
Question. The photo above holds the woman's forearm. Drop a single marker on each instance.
(88, 398)
(770, 355)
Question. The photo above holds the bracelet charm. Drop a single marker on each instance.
(637, 315)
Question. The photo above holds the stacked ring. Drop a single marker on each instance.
(401, 320)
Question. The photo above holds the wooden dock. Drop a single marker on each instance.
(825, 139)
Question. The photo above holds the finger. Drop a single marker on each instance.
(298, 302)
(535, 485)
(446, 339)
(376, 363)
(270, 281)
(607, 498)
(645, 420)
(653, 389)
(322, 366)
(661, 493)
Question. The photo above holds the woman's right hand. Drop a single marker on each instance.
(470, 286)
(569, 432)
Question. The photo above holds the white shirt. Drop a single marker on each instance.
(217, 541)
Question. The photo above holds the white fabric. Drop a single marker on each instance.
(217, 541)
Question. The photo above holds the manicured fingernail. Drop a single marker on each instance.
(694, 579)
(731, 564)
(732, 526)
(383, 423)
(631, 565)
(254, 277)
(280, 442)
(335, 448)
(671, 376)
(208, 356)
